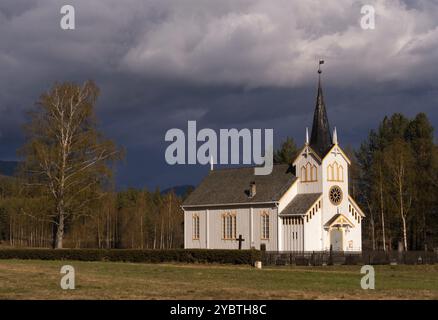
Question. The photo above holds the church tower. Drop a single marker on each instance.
(308, 164)
(322, 171)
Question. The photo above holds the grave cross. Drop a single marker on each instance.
(240, 239)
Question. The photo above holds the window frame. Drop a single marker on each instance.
(265, 226)
(335, 172)
(229, 226)
(309, 172)
(196, 230)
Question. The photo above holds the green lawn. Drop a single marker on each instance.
(36, 279)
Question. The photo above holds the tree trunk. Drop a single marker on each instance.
(59, 227)
(405, 241)
(424, 226)
(169, 221)
(11, 241)
(141, 231)
(155, 236)
(402, 214)
(98, 234)
(108, 230)
(161, 233)
(373, 239)
(382, 211)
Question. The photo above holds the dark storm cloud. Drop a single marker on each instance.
(233, 63)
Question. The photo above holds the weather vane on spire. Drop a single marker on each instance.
(319, 66)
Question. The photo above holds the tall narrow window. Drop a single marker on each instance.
(229, 226)
(330, 172)
(195, 227)
(341, 174)
(314, 173)
(308, 172)
(265, 225)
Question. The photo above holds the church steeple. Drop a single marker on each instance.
(321, 139)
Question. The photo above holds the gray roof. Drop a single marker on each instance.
(300, 204)
(231, 186)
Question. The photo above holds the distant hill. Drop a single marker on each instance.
(178, 190)
(8, 168)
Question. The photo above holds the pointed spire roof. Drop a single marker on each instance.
(321, 139)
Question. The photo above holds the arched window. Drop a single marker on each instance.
(335, 172)
(330, 172)
(309, 173)
(265, 226)
(314, 173)
(195, 227)
(229, 226)
(341, 174)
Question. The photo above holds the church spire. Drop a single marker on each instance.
(321, 139)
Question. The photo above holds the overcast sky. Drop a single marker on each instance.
(226, 64)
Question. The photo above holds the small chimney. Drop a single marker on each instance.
(252, 189)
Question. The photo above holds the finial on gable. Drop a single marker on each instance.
(335, 136)
(307, 136)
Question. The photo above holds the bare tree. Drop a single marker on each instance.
(399, 162)
(66, 154)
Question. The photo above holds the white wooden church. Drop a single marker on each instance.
(304, 206)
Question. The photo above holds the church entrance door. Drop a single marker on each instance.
(337, 239)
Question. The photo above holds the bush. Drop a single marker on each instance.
(134, 255)
(353, 259)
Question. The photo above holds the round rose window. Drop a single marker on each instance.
(335, 195)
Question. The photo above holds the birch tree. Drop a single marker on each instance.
(379, 188)
(66, 154)
(399, 163)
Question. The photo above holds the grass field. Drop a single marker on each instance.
(35, 279)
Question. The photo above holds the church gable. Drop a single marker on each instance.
(338, 220)
(307, 165)
(337, 151)
(307, 152)
(335, 167)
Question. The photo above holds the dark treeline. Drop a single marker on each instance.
(128, 219)
(395, 178)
